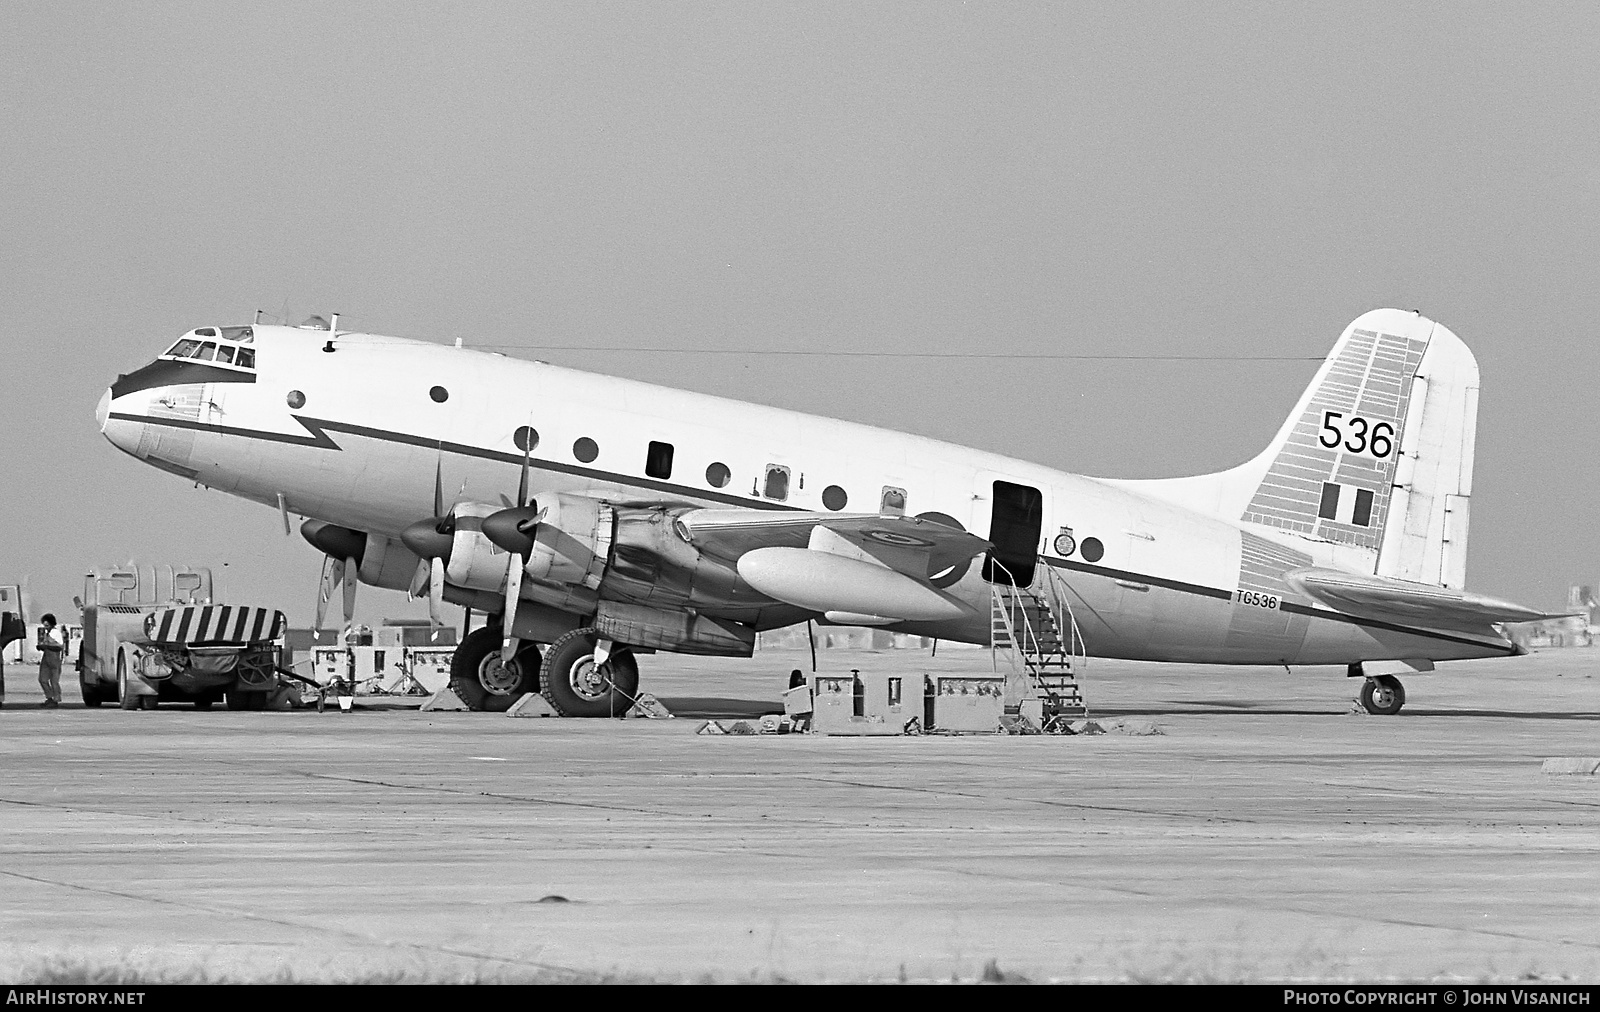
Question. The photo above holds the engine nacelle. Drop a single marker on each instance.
(475, 562)
(572, 543)
(387, 563)
(654, 562)
(382, 562)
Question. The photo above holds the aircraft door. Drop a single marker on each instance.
(1016, 519)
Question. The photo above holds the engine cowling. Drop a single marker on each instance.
(475, 562)
(381, 562)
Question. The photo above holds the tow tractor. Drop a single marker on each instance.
(151, 634)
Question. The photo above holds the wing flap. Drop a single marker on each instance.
(1404, 601)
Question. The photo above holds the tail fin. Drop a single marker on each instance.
(1376, 456)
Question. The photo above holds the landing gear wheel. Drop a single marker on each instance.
(576, 686)
(1383, 695)
(483, 681)
(126, 699)
(204, 703)
(91, 697)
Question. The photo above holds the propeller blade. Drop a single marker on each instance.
(522, 482)
(352, 569)
(508, 646)
(419, 581)
(435, 590)
(332, 575)
(438, 484)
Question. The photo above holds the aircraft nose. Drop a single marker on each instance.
(119, 432)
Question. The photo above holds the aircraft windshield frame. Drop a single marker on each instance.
(234, 350)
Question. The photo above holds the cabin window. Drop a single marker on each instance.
(777, 484)
(718, 475)
(439, 395)
(246, 358)
(526, 437)
(586, 450)
(834, 498)
(244, 335)
(893, 501)
(184, 348)
(225, 354)
(208, 351)
(206, 332)
(296, 399)
(658, 460)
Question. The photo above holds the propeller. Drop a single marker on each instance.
(512, 529)
(342, 549)
(432, 540)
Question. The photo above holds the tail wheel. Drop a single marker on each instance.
(1383, 695)
(483, 680)
(578, 687)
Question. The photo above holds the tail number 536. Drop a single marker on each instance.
(1356, 434)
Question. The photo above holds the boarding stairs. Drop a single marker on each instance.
(1034, 631)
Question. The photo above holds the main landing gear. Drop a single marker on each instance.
(1380, 694)
(483, 680)
(576, 686)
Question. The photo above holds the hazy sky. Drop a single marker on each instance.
(1079, 178)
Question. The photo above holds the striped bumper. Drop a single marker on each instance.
(213, 623)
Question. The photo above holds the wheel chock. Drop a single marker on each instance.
(445, 701)
(648, 707)
(1016, 723)
(711, 727)
(532, 704)
(1582, 767)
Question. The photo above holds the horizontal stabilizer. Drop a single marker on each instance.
(1403, 601)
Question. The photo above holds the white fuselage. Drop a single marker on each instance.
(355, 437)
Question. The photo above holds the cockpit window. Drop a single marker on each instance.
(222, 352)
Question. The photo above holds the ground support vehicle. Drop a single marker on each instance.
(203, 653)
(151, 634)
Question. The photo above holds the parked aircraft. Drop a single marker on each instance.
(596, 518)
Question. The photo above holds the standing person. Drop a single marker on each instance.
(52, 647)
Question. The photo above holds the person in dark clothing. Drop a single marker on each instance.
(52, 647)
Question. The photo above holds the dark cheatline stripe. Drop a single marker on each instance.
(1154, 581)
(238, 625)
(261, 620)
(221, 630)
(1297, 609)
(279, 620)
(205, 624)
(317, 430)
(166, 626)
(183, 626)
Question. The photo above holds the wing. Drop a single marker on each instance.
(1404, 601)
(856, 567)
